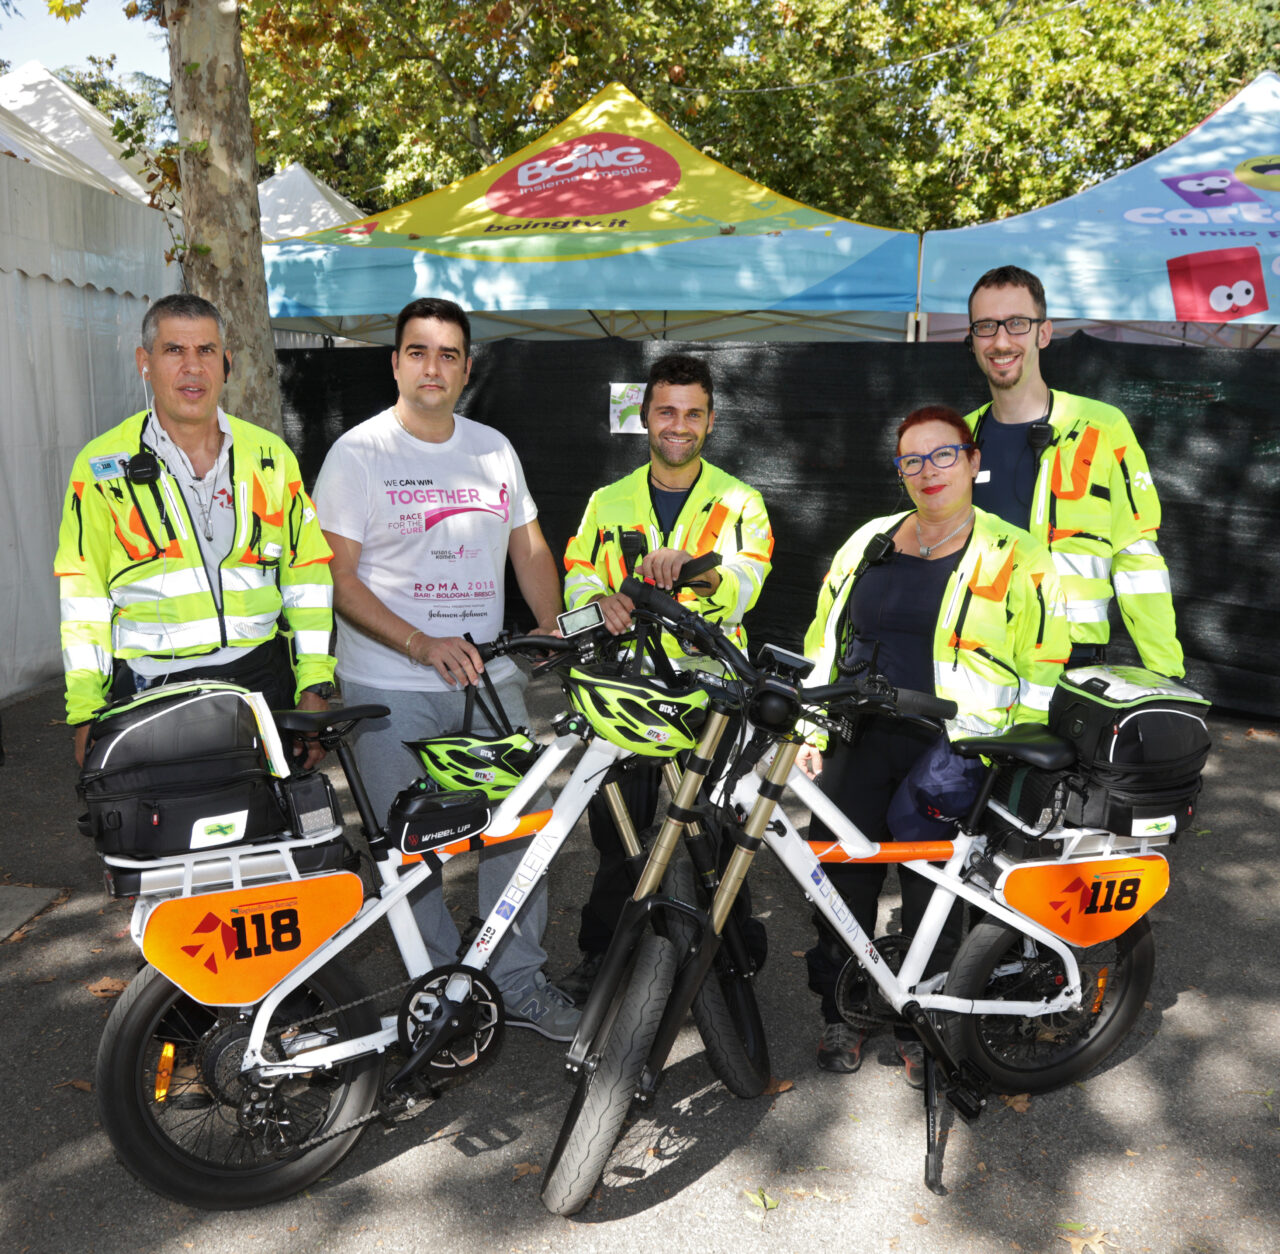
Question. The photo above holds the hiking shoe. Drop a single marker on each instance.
(840, 1048)
(580, 981)
(912, 1055)
(544, 1008)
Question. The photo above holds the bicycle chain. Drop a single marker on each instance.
(381, 1111)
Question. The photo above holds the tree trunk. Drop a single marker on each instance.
(223, 257)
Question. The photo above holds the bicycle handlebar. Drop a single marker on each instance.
(694, 629)
(526, 644)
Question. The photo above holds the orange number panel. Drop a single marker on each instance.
(1088, 902)
(232, 948)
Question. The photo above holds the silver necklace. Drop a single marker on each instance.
(927, 549)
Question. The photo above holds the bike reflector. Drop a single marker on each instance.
(233, 948)
(1087, 903)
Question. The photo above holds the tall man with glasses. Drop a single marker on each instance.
(1070, 471)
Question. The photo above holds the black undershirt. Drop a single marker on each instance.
(896, 604)
(667, 505)
(1007, 479)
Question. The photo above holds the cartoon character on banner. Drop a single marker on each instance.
(1217, 286)
(1211, 188)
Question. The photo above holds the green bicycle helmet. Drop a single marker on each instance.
(493, 765)
(638, 712)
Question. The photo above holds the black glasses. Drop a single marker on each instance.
(913, 463)
(985, 328)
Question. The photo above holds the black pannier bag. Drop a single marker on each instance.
(178, 769)
(1141, 741)
(423, 817)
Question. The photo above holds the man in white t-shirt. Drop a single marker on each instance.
(422, 508)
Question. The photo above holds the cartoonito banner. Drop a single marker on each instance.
(1191, 234)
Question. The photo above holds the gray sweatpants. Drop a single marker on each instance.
(387, 766)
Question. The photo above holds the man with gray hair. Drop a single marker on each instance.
(186, 535)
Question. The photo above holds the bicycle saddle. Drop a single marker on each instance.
(1031, 743)
(312, 722)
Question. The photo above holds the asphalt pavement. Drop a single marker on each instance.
(1173, 1146)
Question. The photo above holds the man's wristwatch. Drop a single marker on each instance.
(324, 690)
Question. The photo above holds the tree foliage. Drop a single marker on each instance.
(138, 100)
(908, 113)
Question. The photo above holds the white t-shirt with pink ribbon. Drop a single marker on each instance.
(432, 521)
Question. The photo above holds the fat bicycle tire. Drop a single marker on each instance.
(1037, 1053)
(202, 1156)
(603, 1094)
(724, 1007)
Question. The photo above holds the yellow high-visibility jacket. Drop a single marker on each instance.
(722, 514)
(1096, 510)
(132, 580)
(1001, 638)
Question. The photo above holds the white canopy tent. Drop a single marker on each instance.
(67, 119)
(78, 267)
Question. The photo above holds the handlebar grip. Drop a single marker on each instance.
(524, 644)
(648, 597)
(924, 705)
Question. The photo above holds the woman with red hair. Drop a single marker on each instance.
(943, 598)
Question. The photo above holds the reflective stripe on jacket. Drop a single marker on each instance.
(132, 580)
(1096, 510)
(721, 514)
(1001, 638)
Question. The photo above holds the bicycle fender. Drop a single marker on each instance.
(1086, 903)
(232, 948)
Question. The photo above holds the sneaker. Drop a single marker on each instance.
(544, 1008)
(840, 1048)
(580, 981)
(912, 1055)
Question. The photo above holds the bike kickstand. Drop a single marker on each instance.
(933, 1141)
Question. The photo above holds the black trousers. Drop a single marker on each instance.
(861, 779)
(267, 669)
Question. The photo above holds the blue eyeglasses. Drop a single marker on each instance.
(913, 463)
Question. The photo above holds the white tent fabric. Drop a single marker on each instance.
(61, 115)
(78, 267)
(21, 140)
(295, 202)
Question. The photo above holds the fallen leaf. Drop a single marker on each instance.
(85, 1086)
(1092, 1242)
(1132, 1154)
(777, 1086)
(918, 1218)
(108, 986)
(16, 935)
(761, 1199)
(526, 1169)
(1021, 1102)
(1089, 1243)
(797, 953)
(1260, 733)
